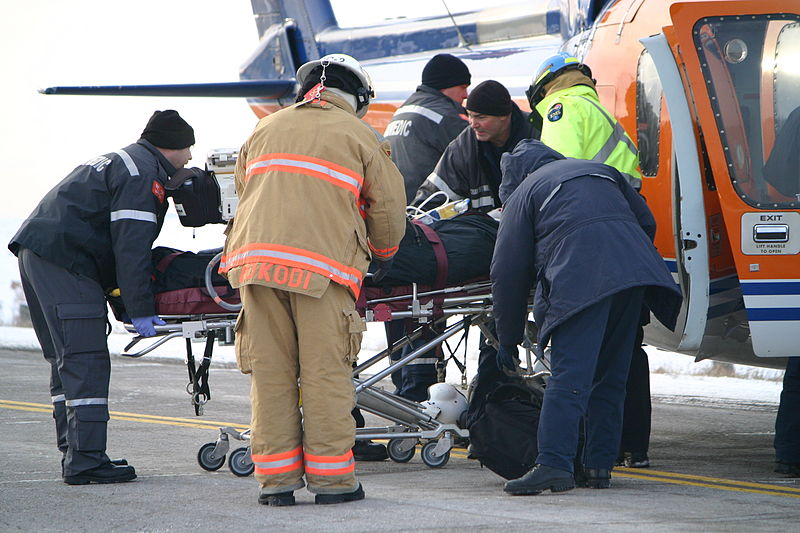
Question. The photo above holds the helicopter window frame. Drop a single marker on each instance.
(649, 96)
(744, 159)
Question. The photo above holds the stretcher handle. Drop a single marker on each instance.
(210, 286)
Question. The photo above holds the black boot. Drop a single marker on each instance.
(593, 478)
(279, 499)
(107, 473)
(788, 469)
(326, 499)
(539, 479)
(366, 450)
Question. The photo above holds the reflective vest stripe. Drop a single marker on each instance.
(58, 398)
(128, 160)
(292, 257)
(278, 463)
(386, 252)
(419, 110)
(336, 465)
(440, 184)
(617, 136)
(133, 214)
(483, 201)
(86, 401)
(310, 166)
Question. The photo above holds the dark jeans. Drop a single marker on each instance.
(787, 423)
(638, 409)
(590, 358)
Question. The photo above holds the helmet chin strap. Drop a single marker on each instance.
(321, 86)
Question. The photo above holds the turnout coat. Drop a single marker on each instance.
(318, 195)
(580, 233)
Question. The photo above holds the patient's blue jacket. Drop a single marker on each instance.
(578, 232)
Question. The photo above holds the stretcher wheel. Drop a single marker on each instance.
(207, 459)
(397, 454)
(434, 461)
(240, 462)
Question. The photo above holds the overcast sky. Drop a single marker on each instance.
(51, 42)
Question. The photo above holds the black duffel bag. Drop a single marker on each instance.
(503, 426)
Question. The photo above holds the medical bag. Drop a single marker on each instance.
(195, 194)
(502, 430)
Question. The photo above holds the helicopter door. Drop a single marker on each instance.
(690, 216)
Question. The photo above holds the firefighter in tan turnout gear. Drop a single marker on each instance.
(318, 198)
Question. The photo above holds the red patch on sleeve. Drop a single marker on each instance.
(158, 191)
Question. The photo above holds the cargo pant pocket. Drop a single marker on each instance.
(242, 344)
(355, 329)
(83, 327)
(90, 428)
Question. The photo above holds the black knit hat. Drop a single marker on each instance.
(445, 70)
(490, 98)
(166, 129)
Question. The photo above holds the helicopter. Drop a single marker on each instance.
(705, 88)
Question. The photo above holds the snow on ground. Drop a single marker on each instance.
(673, 376)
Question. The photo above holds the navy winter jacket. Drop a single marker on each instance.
(577, 231)
(101, 221)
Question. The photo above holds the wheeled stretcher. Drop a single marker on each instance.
(452, 311)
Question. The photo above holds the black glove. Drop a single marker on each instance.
(381, 269)
(507, 358)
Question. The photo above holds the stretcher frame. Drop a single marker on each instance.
(410, 423)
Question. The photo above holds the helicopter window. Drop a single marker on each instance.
(751, 64)
(648, 114)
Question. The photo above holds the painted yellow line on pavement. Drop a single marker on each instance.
(711, 480)
(131, 417)
(729, 484)
(461, 453)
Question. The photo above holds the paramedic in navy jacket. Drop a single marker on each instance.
(90, 235)
(579, 233)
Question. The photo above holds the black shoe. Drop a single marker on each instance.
(633, 460)
(366, 450)
(119, 462)
(325, 499)
(539, 479)
(788, 469)
(279, 499)
(637, 460)
(593, 478)
(107, 473)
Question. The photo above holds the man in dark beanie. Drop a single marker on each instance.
(428, 120)
(470, 166)
(89, 237)
(419, 132)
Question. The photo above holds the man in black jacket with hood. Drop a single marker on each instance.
(470, 166)
(579, 233)
(90, 236)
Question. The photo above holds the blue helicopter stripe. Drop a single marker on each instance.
(772, 288)
(725, 308)
(773, 314)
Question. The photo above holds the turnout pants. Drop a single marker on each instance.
(68, 312)
(290, 342)
(590, 356)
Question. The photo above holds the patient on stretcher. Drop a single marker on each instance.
(463, 252)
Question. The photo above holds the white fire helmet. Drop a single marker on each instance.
(447, 400)
(364, 93)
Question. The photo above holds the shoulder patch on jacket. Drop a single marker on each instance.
(158, 191)
(555, 112)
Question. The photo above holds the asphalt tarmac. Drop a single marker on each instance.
(711, 471)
